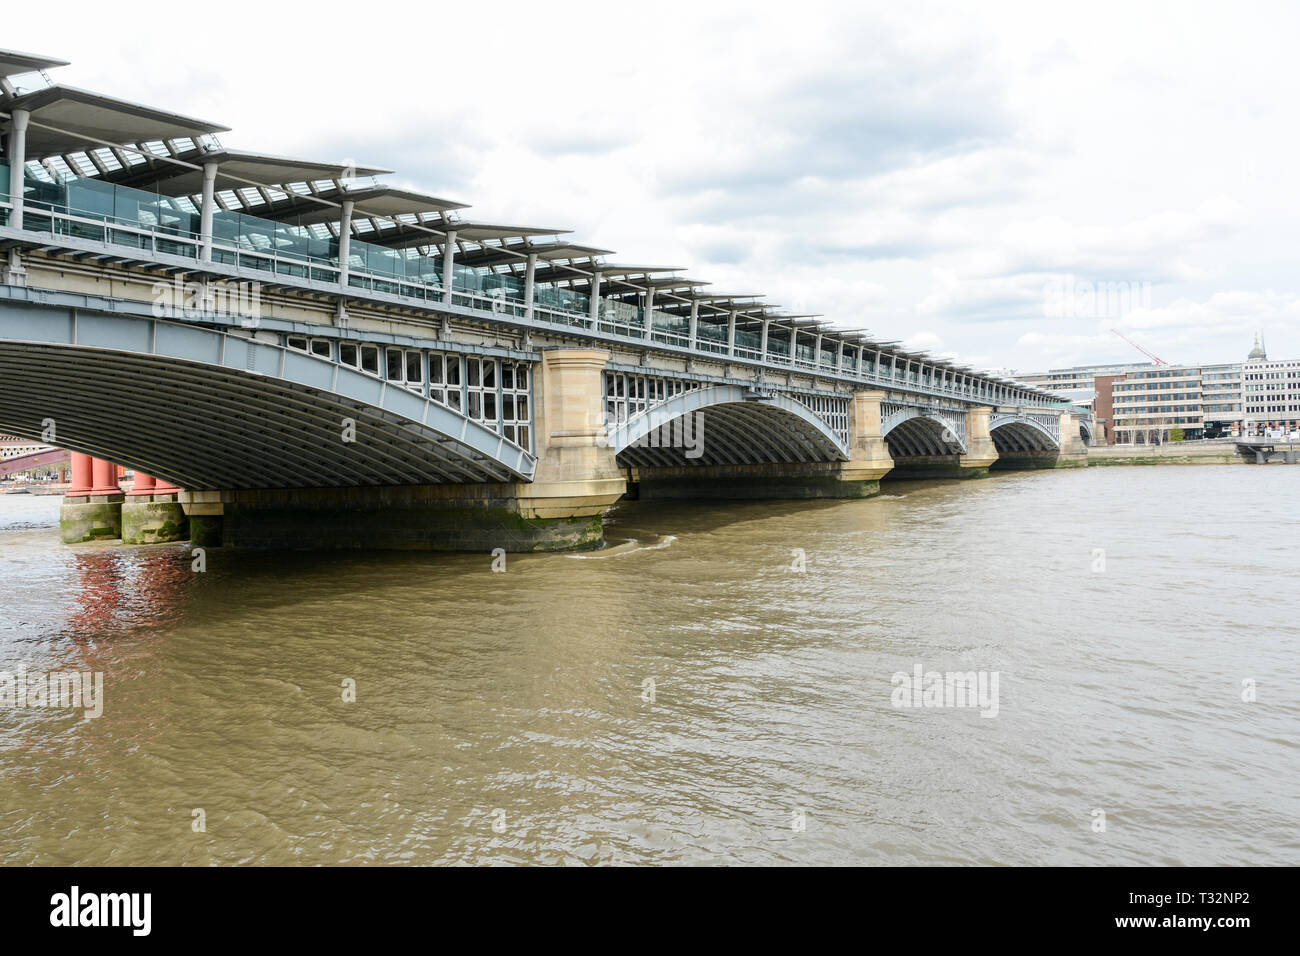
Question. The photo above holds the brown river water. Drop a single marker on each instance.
(687, 695)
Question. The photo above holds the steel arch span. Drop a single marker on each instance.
(1025, 432)
(735, 426)
(915, 432)
(207, 409)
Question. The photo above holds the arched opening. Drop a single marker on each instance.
(923, 437)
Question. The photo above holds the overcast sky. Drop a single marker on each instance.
(945, 175)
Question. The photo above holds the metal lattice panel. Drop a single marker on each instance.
(1025, 432)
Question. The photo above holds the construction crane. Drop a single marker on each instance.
(1154, 358)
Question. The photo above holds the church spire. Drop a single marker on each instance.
(1257, 354)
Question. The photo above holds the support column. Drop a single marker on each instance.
(731, 333)
(694, 329)
(345, 244)
(81, 476)
(151, 514)
(17, 159)
(14, 273)
(143, 485)
(869, 458)
(95, 513)
(649, 312)
(595, 301)
(577, 476)
(206, 211)
(448, 265)
(104, 475)
(762, 345)
(980, 450)
(1074, 450)
(530, 284)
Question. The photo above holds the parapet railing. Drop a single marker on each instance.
(251, 250)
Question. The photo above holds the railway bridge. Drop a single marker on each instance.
(294, 353)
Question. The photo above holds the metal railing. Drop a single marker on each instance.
(624, 326)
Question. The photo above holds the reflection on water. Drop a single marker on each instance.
(522, 697)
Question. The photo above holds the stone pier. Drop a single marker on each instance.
(151, 513)
(92, 506)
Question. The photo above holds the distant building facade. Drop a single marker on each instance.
(1144, 403)
(1270, 393)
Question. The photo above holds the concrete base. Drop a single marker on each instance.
(1026, 460)
(937, 467)
(97, 518)
(402, 518)
(152, 522)
(722, 482)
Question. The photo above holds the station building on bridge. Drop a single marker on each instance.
(293, 351)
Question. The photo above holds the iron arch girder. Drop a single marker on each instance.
(1049, 436)
(827, 444)
(183, 366)
(924, 432)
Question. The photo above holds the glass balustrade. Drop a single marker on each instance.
(675, 329)
(92, 209)
(711, 338)
(748, 343)
(575, 307)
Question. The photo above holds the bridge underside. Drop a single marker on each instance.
(207, 427)
(922, 447)
(739, 433)
(735, 449)
(1021, 445)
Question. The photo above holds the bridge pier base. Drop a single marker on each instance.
(391, 518)
(151, 514)
(721, 482)
(1012, 460)
(97, 518)
(1074, 450)
(92, 507)
(980, 450)
(153, 522)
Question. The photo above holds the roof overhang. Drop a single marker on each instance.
(65, 119)
(14, 63)
(179, 176)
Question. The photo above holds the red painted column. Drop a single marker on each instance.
(162, 487)
(81, 475)
(105, 474)
(144, 484)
